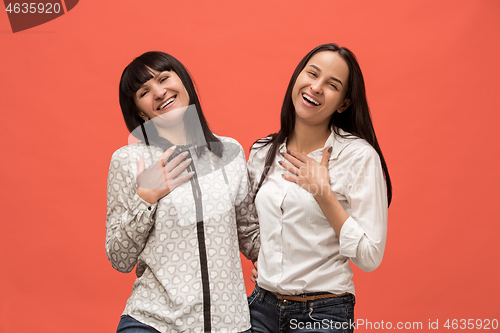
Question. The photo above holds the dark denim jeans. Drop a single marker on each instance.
(130, 325)
(271, 315)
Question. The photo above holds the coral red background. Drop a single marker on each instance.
(432, 78)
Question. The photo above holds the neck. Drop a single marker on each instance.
(176, 135)
(306, 138)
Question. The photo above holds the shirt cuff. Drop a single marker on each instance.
(350, 235)
(144, 207)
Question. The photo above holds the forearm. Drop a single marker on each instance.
(129, 217)
(331, 207)
(249, 246)
(127, 230)
(248, 228)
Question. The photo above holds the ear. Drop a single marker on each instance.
(143, 116)
(344, 105)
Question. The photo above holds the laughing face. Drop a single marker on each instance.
(320, 88)
(160, 95)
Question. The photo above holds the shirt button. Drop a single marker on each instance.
(149, 208)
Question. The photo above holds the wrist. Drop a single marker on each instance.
(146, 196)
(323, 192)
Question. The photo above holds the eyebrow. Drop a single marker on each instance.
(331, 77)
(154, 78)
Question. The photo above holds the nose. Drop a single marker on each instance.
(159, 91)
(316, 87)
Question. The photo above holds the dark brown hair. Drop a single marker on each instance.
(355, 120)
(136, 74)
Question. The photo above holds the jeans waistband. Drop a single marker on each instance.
(275, 299)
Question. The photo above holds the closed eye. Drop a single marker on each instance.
(163, 79)
(143, 93)
(313, 74)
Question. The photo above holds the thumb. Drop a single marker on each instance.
(326, 156)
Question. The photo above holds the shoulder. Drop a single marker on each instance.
(230, 145)
(355, 148)
(126, 151)
(137, 148)
(259, 150)
(232, 150)
(128, 154)
(359, 146)
(226, 139)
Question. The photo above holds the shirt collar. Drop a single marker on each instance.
(338, 142)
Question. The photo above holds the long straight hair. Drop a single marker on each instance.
(355, 120)
(136, 74)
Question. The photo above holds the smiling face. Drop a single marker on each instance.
(161, 94)
(320, 88)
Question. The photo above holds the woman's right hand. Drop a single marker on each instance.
(255, 273)
(160, 180)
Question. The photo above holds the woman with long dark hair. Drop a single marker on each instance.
(178, 208)
(323, 191)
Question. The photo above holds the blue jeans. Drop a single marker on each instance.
(130, 325)
(271, 315)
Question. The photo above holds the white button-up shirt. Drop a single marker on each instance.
(300, 252)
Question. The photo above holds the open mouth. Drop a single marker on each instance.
(167, 102)
(310, 100)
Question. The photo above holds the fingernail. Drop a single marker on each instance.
(282, 154)
(280, 162)
(330, 149)
(189, 160)
(173, 147)
(185, 153)
(288, 152)
(282, 175)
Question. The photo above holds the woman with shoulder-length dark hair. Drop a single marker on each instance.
(178, 207)
(323, 191)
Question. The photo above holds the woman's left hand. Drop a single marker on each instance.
(307, 172)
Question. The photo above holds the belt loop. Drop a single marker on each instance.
(304, 306)
(262, 294)
(306, 303)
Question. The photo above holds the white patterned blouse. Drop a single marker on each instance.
(189, 276)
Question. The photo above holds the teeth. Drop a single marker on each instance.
(309, 99)
(170, 100)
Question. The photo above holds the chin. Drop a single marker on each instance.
(170, 117)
